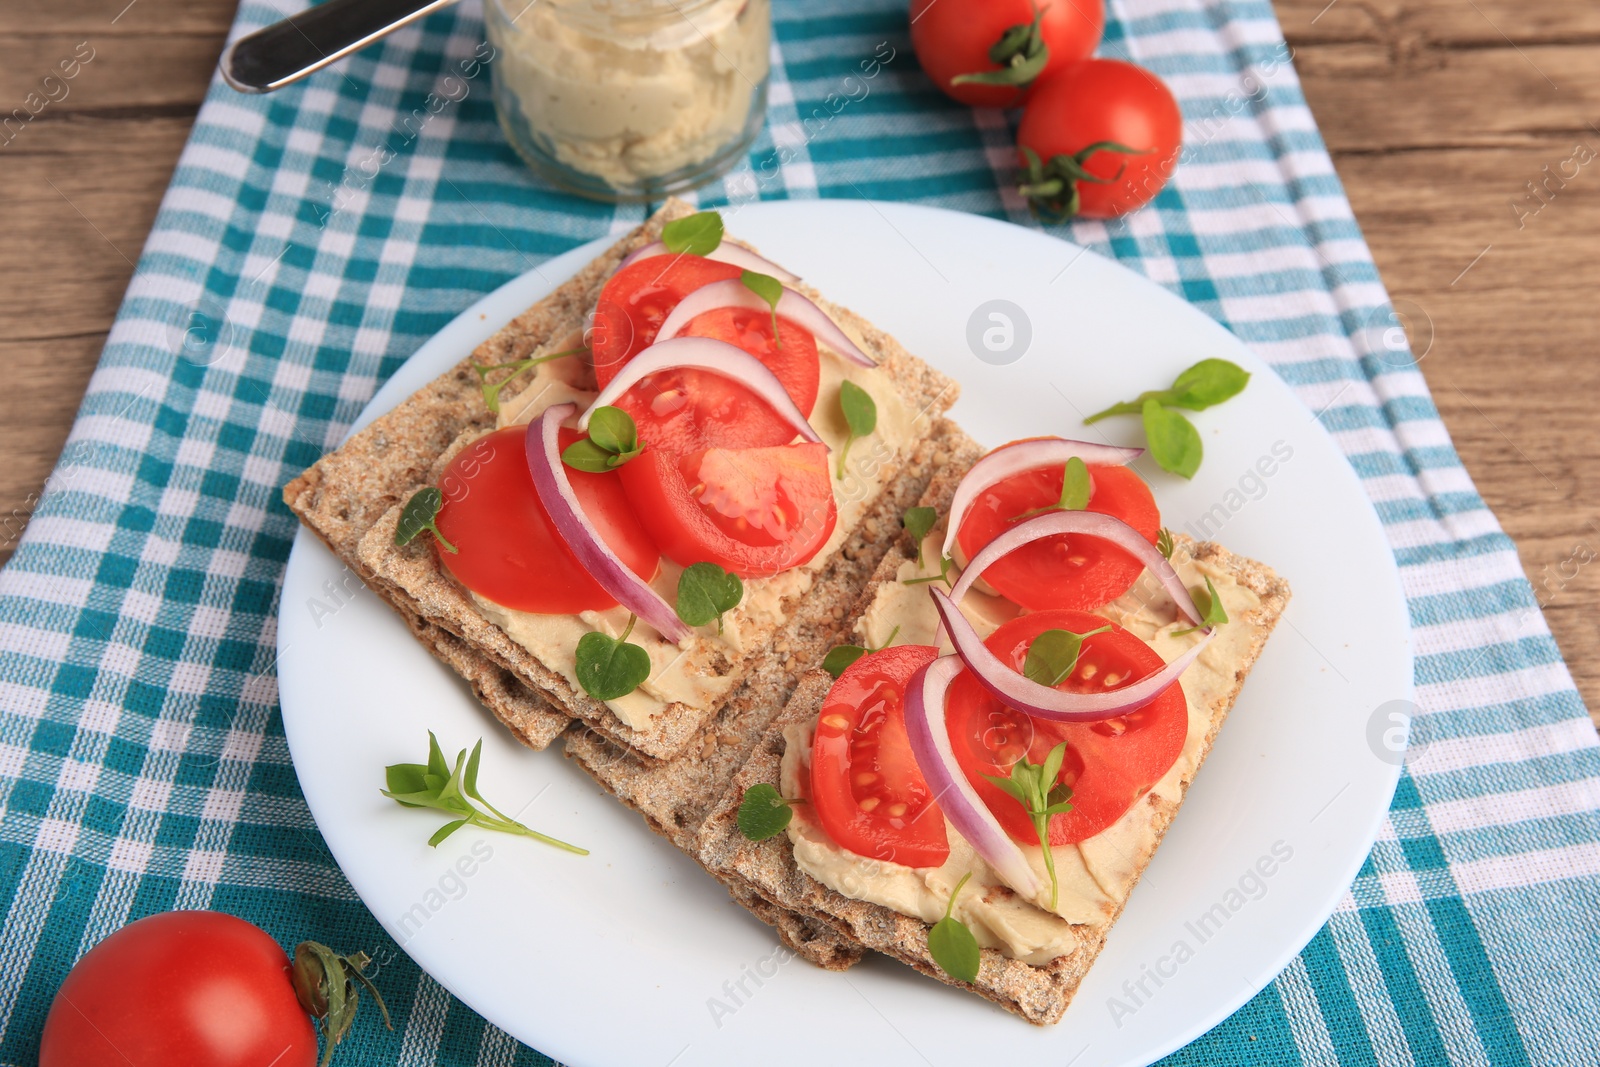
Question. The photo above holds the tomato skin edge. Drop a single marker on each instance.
(922, 842)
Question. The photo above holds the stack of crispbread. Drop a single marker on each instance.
(352, 499)
(686, 771)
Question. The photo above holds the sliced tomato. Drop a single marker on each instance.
(866, 788)
(683, 411)
(1109, 764)
(637, 299)
(1064, 571)
(509, 551)
(686, 411)
(752, 511)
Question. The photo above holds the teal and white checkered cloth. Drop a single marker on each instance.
(312, 239)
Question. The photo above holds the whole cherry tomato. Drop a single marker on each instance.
(1098, 140)
(988, 53)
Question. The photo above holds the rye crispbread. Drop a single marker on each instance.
(340, 497)
(673, 796)
(1040, 994)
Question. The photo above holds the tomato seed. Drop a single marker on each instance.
(838, 722)
(896, 810)
(1111, 680)
(866, 778)
(868, 803)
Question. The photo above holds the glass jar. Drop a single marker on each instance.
(630, 100)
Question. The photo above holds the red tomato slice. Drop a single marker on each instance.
(638, 298)
(1081, 573)
(509, 551)
(1109, 764)
(865, 786)
(752, 511)
(688, 410)
(682, 411)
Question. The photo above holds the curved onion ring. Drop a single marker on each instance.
(543, 447)
(1043, 701)
(707, 354)
(799, 309)
(726, 252)
(1089, 524)
(930, 743)
(1019, 456)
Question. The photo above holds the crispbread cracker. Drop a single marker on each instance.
(401, 451)
(1039, 994)
(673, 796)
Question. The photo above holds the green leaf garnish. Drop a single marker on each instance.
(860, 414)
(454, 791)
(1212, 613)
(609, 667)
(1164, 542)
(1034, 786)
(943, 576)
(1054, 655)
(763, 812)
(1076, 489)
(698, 234)
(840, 657)
(1174, 442)
(613, 440)
(769, 289)
(613, 430)
(1206, 384)
(952, 945)
(918, 521)
(420, 514)
(491, 390)
(705, 591)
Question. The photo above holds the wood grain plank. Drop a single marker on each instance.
(109, 18)
(1365, 101)
(115, 82)
(1418, 26)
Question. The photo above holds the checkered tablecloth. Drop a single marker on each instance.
(312, 239)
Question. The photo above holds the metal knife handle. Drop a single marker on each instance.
(300, 45)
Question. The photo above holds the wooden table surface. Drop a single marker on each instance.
(1465, 132)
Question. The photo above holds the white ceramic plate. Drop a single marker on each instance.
(633, 956)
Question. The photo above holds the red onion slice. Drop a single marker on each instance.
(1042, 701)
(731, 292)
(930, 743)
(726, 252)
(543, 446)
(1019, 456)
(1089, 524)
(707, 354)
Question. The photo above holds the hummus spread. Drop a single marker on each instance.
(634, 91)
(1095, 875)
(700, 672)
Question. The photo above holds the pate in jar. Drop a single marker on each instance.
(630, 100)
